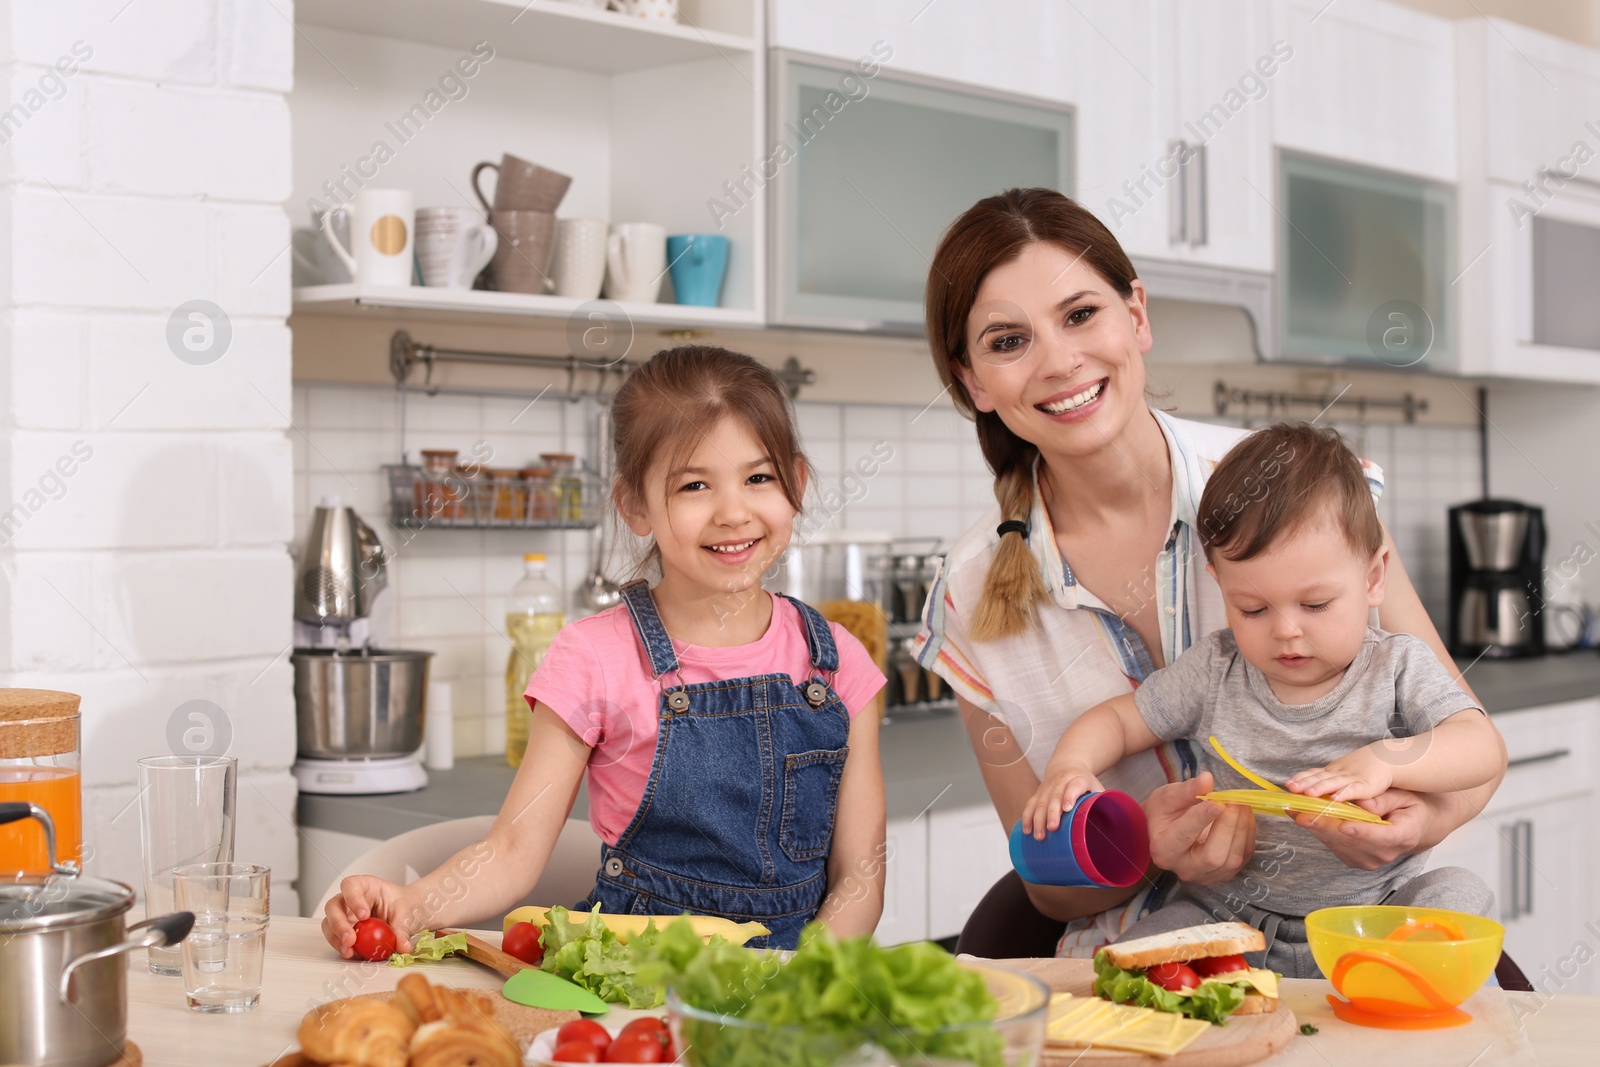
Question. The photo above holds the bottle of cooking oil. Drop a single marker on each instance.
(533, 616)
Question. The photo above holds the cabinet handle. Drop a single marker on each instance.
(1178, 195)
(1194, 185)
(1527, 867)
(1543, 757)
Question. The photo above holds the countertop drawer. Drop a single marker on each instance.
(1551, 753)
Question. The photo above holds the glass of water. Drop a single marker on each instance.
(222, 954)
(186, 807)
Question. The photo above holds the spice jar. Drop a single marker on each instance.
(509, 493)
(566, 486)
(39, 763)
(541, 499)
(432, 492)
(466, 498)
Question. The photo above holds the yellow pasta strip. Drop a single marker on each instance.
(1265, 803)
(1242, 769)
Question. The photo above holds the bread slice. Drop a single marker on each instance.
(1257, 1004)
(1190, 943)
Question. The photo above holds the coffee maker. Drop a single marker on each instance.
(1496, 579)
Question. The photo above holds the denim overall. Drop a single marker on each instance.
(737, 815)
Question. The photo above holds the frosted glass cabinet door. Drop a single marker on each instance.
(1367, 260)
(873, 170)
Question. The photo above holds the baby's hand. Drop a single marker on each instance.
(1359, 776)
(1042, 813)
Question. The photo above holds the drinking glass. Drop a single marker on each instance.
(222, 954)
(186, 807)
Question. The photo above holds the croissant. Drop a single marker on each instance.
(418, 1000)
(442, 1044)
(360, 1032)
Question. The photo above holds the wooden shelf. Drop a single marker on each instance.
(539, 31)
(474, 305)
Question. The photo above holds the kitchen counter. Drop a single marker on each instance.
(926, 758)
(302, 971)
(1513, 684)
(926, 761)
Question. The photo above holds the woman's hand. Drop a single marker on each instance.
(360, 897)
(1197, 840)
(1367, 846)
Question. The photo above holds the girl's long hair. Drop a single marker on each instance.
(993, 231)
(667, 406)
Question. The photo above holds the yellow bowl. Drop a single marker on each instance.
(1403, 967)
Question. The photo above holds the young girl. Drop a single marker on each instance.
(729, 773)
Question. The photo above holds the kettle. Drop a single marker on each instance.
(342, 568)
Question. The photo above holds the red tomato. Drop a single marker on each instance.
(375, 939)
(584, 1030)
(576, 1052)
(524, 942)
(635, 1048)
(1218, 965)
(650, 1026)
(1176, 977)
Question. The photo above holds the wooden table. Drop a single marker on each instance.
(302, 971)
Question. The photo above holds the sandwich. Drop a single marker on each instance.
(1199, 971)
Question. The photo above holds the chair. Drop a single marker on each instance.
(1005, 925)
(568, 875)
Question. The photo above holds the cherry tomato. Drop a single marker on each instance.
(524, 942)
(584, 1030)
(1219, 965)
(576, 1052)
(375, 939)
(634, 1048)
(1176, 977)
(650, 1026)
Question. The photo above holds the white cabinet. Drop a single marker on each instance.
(1218, 67)
(905, 883)
(967, 853)
(1535, 843)
(1531, 97)
(1370, 82)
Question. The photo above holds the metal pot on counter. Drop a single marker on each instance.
(63, 982)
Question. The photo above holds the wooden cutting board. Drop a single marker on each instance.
(1245, 1039)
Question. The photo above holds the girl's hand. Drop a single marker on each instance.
(1197, 840)
(1056, 794)
(1359, 776)
(361, 897)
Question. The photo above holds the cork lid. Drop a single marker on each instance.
(37, 738)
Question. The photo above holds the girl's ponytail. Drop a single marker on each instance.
(1011, 587)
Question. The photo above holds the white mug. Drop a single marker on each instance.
(453, 245)
(636, 259)
(579, 265)
(381, 226)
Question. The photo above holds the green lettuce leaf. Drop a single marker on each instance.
(591, 955)
(1211, 1001)
(838, 993)
(425, 946)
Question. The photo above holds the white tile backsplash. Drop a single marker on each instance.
(448, 587)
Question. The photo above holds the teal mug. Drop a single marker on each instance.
(699, 262)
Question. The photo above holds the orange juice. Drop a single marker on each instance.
(56, 790)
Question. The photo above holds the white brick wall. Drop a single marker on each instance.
(144, 163)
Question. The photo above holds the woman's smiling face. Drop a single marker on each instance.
(1056, 351)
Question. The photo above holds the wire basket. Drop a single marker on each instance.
(507, 500)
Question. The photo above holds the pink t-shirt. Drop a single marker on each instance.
(596, 677)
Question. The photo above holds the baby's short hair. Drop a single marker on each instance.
(1277, 479)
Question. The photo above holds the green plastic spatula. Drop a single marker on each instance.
(541, 989)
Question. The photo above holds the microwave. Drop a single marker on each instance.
(869, 168)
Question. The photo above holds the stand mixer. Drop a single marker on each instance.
(358, 710)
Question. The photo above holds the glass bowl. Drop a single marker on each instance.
(1403, 968)
(1013, 1038)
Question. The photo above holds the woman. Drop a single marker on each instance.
(1088, 574)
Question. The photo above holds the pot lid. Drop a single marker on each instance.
(58, 902)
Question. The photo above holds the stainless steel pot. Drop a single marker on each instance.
(359, 705)
(63, 982)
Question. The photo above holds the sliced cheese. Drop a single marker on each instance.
(1262, 981)
(1089, 1021)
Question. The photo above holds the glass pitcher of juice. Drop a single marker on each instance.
(39, 764)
